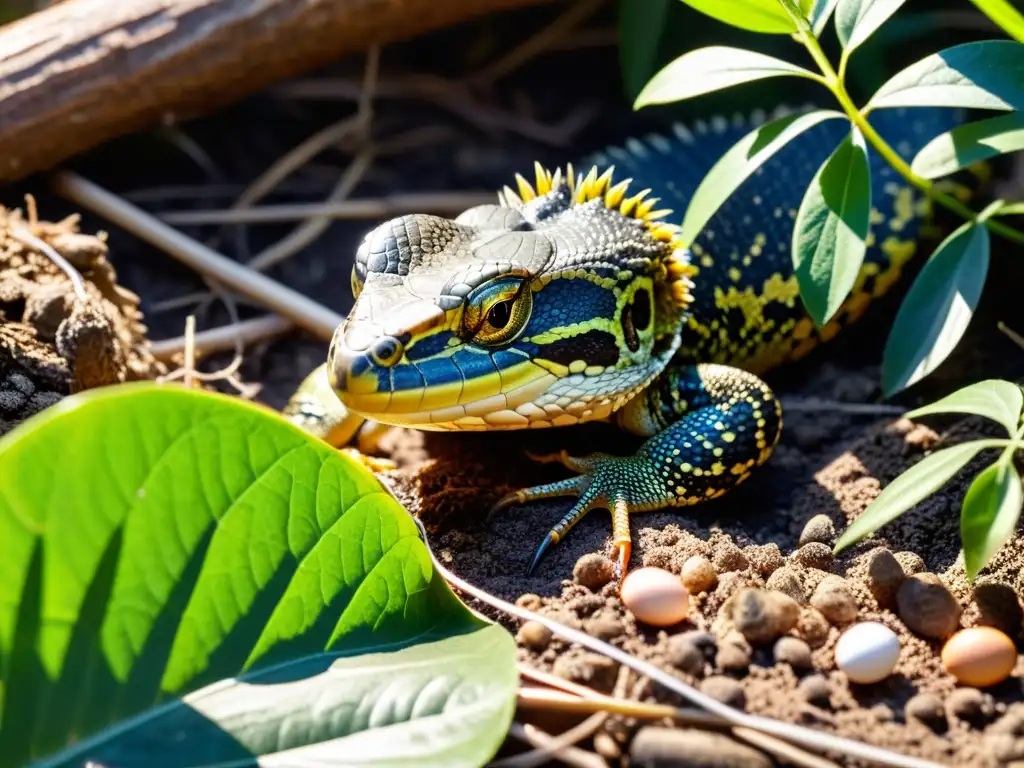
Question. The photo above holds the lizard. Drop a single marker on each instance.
(572, 299)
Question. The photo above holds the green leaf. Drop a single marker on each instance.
(742, 159)
(989, 515)
(937, 309)
(1004, 15)
(818, 13)
(157, 539)
(971, 143)
(765, 16)
(909, 489)
(711, 69)
(857, 20)
(988, 74)
(1010, 209)
(830, 235)
(994, 399)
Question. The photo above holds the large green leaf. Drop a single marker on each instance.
(155, 540)
(712, 69)
(989, 515)
(857, 20)
(830, 235)
(753, 15)
(937, 309)
(988, 74)
(971, 143)
(994, 399)
(1008, 18)
(742, 159)
(909, 489)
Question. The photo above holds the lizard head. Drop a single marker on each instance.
(554, 306)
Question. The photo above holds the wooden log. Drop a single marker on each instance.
(84, 71)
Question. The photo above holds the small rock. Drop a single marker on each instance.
(911, 562)
(835, 600)
(816, 689)
(659, 747)
(593, 571)
(534, 635)
(19, 382)
(765, 559)
(698, 574)
(529, 601)
(814, 555)
(11, 401)
(787, 581)
(684, 653)
(792, 651)
(819, 528)
(725, 690)
(762, 616)
(813, 627)
(927, 607)
(884, 576)
(927, 709)
(970, 705)
(729, 557)
(591, 669)
(733, 655)
(999, 607)
(604, 627)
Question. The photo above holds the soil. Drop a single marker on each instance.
(829, 462)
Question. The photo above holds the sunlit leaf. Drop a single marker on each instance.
(994, 399)
(990, 514)
(971, 143)
(937, 309)
(988, 74)
(765, 16)
(712, 69)
(857, 20)
(1002, 12)
(910, 489)
(829, 238)
(742, 159)
(159, 542)
(818, 12)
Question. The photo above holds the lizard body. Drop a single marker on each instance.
(572, 299)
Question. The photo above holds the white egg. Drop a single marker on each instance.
(867, 652)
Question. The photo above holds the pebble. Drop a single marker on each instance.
(816, 689)
(867, 652)
(655, 596)
(733, 655)
(813, 627)
(819, 528)
(593, 571)
(762, 616)
(591, 669)
(792, 651)
(690, 651)
(969, 705)
(999, 607)
(698, 574)
(979, 656)
(884, 576)
(927, 708)
(659, 747)
(729, 557)
(835, 600)
(814, 555)
(911, 562)
(725, 690)
(534, 635)
(765, 559)
(927, 607)
(529, 601)
(604, 627)
(787, 581)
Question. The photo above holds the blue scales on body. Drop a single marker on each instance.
(572, 299)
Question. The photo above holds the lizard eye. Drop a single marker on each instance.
(497, 312)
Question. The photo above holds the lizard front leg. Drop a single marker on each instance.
(711, 425)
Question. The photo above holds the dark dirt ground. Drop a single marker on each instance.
(829, 461)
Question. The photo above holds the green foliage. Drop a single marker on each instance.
(833, 222)
(1002, 13)
(992, 505)
(186, 573)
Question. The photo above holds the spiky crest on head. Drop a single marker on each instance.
(675, 267)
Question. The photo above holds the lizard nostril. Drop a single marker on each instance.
(387, 351)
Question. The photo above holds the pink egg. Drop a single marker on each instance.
(655, 596)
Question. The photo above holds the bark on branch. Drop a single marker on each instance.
(85, 71)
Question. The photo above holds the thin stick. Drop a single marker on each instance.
(27, 238)
(190, 349)
(439, 203)
(224, 338)
(304, 312)
(555, 746)
(570, 755)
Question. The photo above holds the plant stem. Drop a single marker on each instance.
(836, 84)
